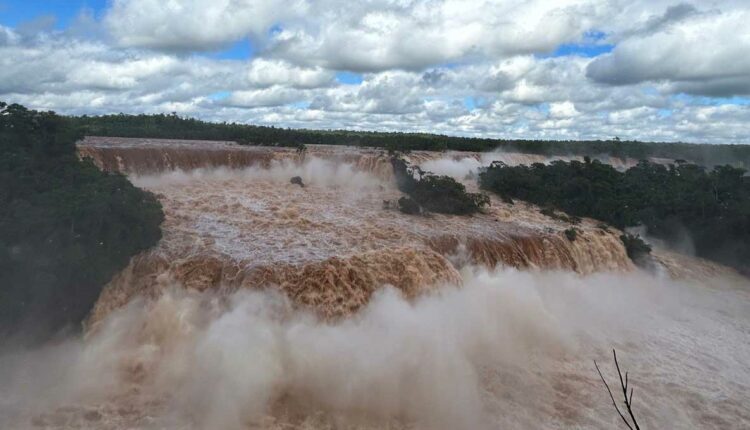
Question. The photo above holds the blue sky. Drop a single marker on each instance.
(582, 49)
(15, 12)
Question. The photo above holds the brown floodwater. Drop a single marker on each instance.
(273, 306)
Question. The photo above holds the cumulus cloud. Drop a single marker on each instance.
(192, 24)
(476, 68)
(704, 53)
(356, 35)
(562, 110)
(272, 96)
(262, 72)
(373, 36)
(387, 92)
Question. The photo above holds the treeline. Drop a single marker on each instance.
(65, 227)
(711, 207)
(175, 127)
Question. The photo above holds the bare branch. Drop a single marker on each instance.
(617, 408)
(628, 401)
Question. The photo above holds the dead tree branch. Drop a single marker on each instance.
(628, 400)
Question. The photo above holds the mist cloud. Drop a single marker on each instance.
(494, 352)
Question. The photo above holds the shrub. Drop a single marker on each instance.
(711, 206)
(571, 234)
(637, 249)
(440, 194)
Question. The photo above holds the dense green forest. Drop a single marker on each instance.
(175, 127)
(710, 206)
(65, 227)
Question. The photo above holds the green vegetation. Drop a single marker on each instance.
(175, 127)
(440, 194)
(65, 227)
(571, 234)
(636, 248)
(712, 206)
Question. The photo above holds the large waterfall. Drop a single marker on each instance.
(268, 305)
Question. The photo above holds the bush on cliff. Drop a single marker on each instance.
(440, 194)
(571, 234)
(712, 207)
(637, 249)
(65, 227)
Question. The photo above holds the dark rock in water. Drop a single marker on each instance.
(93, 415)
(298, 181)
(639, 251)
(409, 206)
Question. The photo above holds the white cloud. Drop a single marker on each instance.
(704, 53)
(263, 73)
(193, 24)
(272, 96)
(562, 110)
(373, 36)
(355, 35)
(387, 92)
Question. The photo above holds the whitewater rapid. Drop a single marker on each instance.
(331, 244)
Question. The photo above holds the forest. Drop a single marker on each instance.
(65, 227)
(173, 126)
(709, 208)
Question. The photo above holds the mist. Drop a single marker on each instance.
(460, 168)
(506, 349)
(313, 171)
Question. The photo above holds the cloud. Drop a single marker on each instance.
(473, 68)
(388, 92)
(273, 96)
(707, 53)
(192, 24)
(7, 36)
(562, 110)
(356, 35)
(374, 36)
(262, 72)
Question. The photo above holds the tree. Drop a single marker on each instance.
(711, 207)
(65, 227)
(440, 194)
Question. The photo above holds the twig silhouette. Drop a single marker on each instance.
(628, 400)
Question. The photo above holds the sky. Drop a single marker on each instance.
(658, 70)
